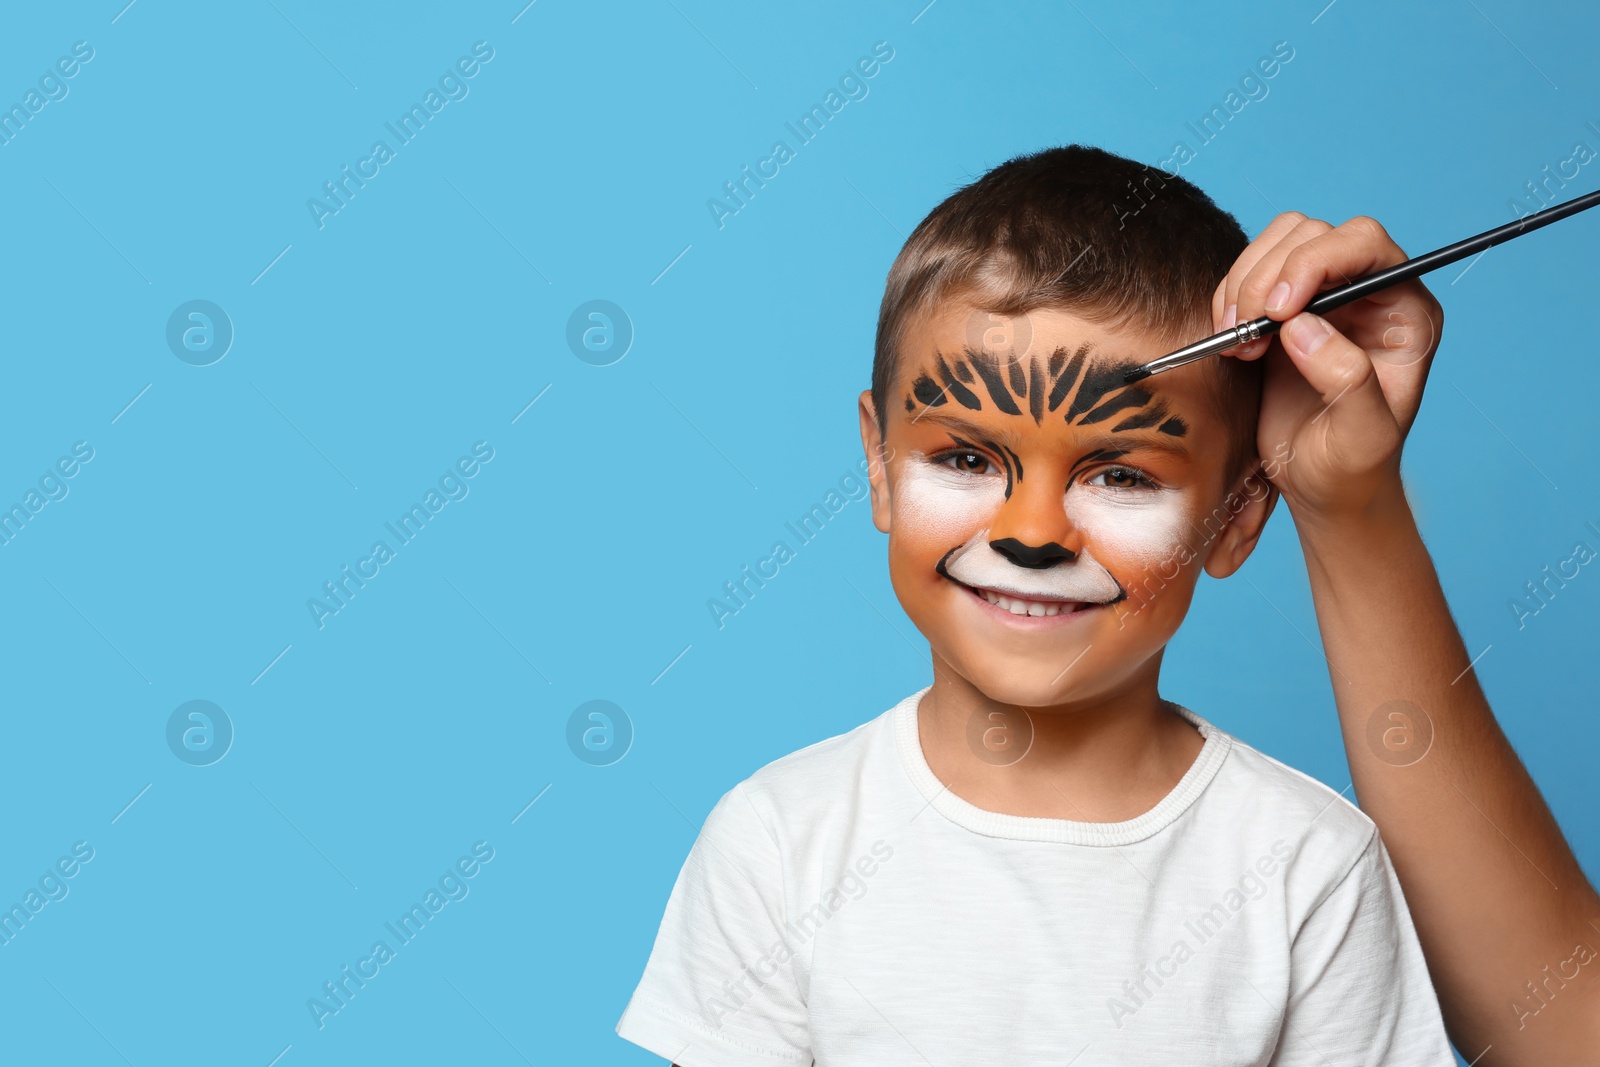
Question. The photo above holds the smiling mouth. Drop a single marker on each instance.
(1017, 605)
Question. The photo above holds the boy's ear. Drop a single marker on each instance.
(1248, 505)
(877, 458)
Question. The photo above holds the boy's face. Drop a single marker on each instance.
(1047, 524)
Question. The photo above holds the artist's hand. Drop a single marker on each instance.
(1341, 391)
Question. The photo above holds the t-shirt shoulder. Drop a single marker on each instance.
(817, 788)
(818, 759)
(1298, 795)
(1273, 803)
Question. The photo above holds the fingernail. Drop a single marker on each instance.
(1230, 316)
(1309, 332)
(1278, 297)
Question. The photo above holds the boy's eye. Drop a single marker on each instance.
(1121, 478)
(966, 462)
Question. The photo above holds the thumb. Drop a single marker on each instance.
(1359, 421)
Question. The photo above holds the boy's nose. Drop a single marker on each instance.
(1036, 557)
(1032, 529)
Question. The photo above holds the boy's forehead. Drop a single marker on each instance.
(1045, 364)
(956, 326)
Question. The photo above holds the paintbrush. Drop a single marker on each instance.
(1245, 332)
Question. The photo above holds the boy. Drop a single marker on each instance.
(1036, 859)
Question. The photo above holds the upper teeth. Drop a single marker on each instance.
(1018, 606)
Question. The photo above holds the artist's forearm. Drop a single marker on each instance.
(1493, 888)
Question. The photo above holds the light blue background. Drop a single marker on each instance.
(430, 311)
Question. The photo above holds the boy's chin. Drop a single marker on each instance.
(1076, 674)
(1028, 685)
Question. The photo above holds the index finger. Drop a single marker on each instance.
(1339, 256)
(1227, 291)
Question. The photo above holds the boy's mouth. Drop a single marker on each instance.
(1018, 605)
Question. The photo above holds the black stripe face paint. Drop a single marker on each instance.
(964, 396)
(989, 371)
(1099, 393)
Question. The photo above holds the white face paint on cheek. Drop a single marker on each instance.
(932, 499)
(1144, 525)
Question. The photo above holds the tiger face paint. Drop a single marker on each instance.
(1034, 493)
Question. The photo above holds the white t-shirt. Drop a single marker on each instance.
(842, 907)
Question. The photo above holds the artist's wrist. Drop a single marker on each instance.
(1357, 522)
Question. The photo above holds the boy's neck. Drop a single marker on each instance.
(1107, 759)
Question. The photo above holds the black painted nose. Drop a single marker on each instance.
(1028, 556)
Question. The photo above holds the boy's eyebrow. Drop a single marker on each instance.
(1158, 443)
(971, 429)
